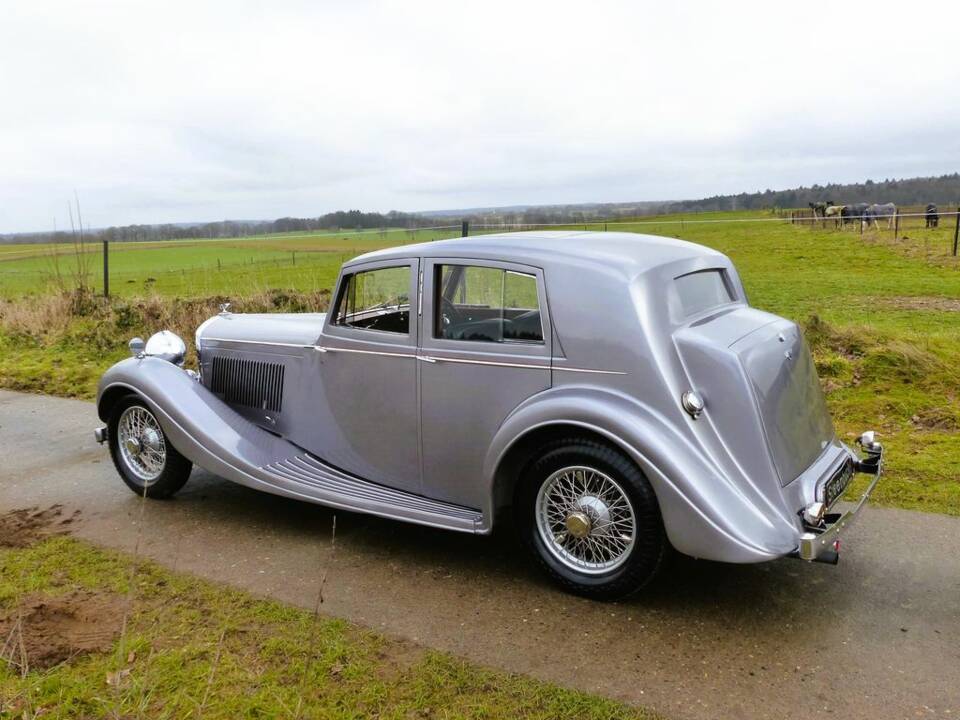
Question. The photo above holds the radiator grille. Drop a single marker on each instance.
(252, 383)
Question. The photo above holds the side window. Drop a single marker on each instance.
(486, 304)
(376, 300)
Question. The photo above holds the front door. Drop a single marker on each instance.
(367, 402)
(485, 348)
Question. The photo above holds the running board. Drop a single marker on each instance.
(334, 487)
(215, 437)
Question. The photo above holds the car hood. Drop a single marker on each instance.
(283, 328)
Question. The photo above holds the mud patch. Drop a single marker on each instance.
(43, 631)
(936, 418)
(919, 302)
(22, 528)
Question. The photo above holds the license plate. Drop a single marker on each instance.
(835, 486)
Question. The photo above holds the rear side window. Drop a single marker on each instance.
(703, 290)
(485, 304)
(376, 300)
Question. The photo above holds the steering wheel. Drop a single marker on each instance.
(449, 313)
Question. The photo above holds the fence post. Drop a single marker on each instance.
(465, 228)
(956, 233)
(861, 225)
(896, 223)
(106, 267)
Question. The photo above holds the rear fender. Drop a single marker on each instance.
(705, 513)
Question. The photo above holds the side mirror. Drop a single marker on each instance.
(136, 346)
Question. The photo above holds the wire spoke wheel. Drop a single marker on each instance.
(141, 443)
(585, 519)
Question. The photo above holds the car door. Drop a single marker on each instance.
(485, 348)
(366, 405)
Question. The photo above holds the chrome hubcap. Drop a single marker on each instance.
(141, 444)
(578, 524)
(585, 519)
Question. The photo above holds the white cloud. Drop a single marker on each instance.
(196, 111)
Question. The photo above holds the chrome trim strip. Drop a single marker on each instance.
(258, 342)
(366, 352)
(466, 361)
(318, 348)
(588, 370)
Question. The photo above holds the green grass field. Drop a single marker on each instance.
(199, 268)
(883, 318)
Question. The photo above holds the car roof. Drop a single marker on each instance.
(625, 251)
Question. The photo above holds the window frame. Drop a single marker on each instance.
(512, 347)
(334, 329)
(724, 279)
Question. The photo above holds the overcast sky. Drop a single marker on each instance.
(181, 111)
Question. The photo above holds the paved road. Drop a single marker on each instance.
(876, 637)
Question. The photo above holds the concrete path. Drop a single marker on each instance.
(876, 637)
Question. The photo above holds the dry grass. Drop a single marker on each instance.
(62, 343)
(49, 317)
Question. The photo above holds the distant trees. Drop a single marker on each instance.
(943, 190)
(340, 220)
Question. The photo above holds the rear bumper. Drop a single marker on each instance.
(822, 543)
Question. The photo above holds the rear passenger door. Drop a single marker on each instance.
(485, 347)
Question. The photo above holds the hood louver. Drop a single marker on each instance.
(252, 383)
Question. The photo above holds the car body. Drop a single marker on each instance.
(448, 374)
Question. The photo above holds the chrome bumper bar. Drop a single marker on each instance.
(822, 543)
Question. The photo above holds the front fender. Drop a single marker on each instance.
(706, 514)
(200, 425)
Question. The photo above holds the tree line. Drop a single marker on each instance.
(943, 190)
(339, 220)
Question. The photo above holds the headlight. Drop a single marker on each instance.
(166, 346)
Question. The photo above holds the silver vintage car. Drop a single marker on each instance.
(615, 391)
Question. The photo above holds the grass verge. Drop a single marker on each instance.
(191, 648)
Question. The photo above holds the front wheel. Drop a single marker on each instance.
(143, 455)
(591, 520)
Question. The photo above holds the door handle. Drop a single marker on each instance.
(426, 358)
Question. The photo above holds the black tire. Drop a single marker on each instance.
(650, 549)
(175, 467)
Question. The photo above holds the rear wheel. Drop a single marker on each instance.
(591, 520)
(141, 451)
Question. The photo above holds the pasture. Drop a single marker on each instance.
(882, 315)
(202, 267)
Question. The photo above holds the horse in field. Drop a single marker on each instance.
(820, 208)
(932, 216)
(852, 213)
(875, 212)
(835, 212)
